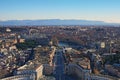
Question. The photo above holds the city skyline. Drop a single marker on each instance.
(102, 10)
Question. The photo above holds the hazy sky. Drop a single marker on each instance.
(104, 10)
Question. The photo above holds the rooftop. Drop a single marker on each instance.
(31, 66)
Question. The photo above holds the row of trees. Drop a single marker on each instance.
(27, 44)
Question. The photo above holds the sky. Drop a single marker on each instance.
(100, 10)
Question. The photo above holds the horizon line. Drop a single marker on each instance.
(59, 19)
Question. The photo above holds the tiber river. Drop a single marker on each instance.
(67, 44)
(63, 44)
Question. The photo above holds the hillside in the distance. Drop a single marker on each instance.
(55, 22)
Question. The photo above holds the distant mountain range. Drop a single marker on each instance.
(54, 22)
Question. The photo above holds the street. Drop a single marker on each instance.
(59, 71)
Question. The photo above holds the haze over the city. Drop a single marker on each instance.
(98, 10)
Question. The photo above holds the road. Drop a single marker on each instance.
(59, 67)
